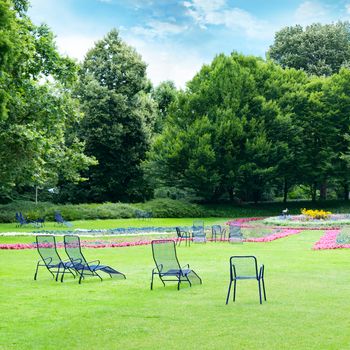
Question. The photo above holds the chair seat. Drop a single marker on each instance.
(175, 272)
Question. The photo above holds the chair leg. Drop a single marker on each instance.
(228, 293)
(152, 281)
(259, 292)
(263, 284)
(36, 271)
(234, 290)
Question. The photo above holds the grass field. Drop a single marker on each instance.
(308, 301)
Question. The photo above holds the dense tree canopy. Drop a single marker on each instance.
(114, 93)
(318, 49)
(251, 129)
(35, 114)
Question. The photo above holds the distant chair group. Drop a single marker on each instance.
(22, 221)
(218, 233)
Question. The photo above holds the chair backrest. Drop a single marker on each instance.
(178, 232)
(73, 249)
(235, 234)
(58, 217)
(20, 218)
(244, 266)
(164, 255)
(216, 230)
(46, 246)
(198, 228)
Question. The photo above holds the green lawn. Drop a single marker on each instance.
(308, 301)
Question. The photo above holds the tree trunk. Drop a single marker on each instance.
(313, 192)
(285, 191)
(231, 193)
(346, 191)
(323, 190)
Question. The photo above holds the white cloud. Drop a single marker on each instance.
(310, 12)
(167, 62)
(347, 9)
(75, 46)
(217, 12)
(158, 29)
(164, 61)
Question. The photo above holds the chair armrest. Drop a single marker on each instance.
(94, 261)
(46, 262)
(261, 271)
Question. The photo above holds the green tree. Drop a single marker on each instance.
(318, 49)
(164, 94)
(119, 117)
(35, 114)
(217, 138)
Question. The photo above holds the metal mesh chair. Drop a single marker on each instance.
(81, 265)
(235, 234)
(168, 267)
(245, 268)
(198, 234)
(59, 219)
(182, 235)
(217, 231)
(46, 246)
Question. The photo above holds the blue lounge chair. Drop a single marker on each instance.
(81, 265)
(168, 267)
(59, 219)
(46, 246)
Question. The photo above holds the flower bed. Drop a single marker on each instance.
(329, 241)
(303, 222)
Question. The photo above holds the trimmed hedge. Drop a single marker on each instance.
(160, 208)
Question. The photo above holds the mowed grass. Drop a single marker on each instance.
(308, 301)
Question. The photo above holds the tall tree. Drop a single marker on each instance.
(318, 49)
(119, 115)
(216, 139)
(164, 94)
(35, 114)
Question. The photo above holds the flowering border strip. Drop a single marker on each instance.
(19, 246)
(242, 222)
(329, 241)
(274, 236)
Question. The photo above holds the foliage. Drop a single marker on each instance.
(164, 94)
(226, 134)
(318, 49)
(35, 113)
(119, 116)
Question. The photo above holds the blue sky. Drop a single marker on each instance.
(176, 37)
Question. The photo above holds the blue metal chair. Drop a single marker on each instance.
(168, 267)
(198, 233)
(235, 234)
(183, 235)
(217, 231)
(81, 265)
(46, 246)
(245, 268)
